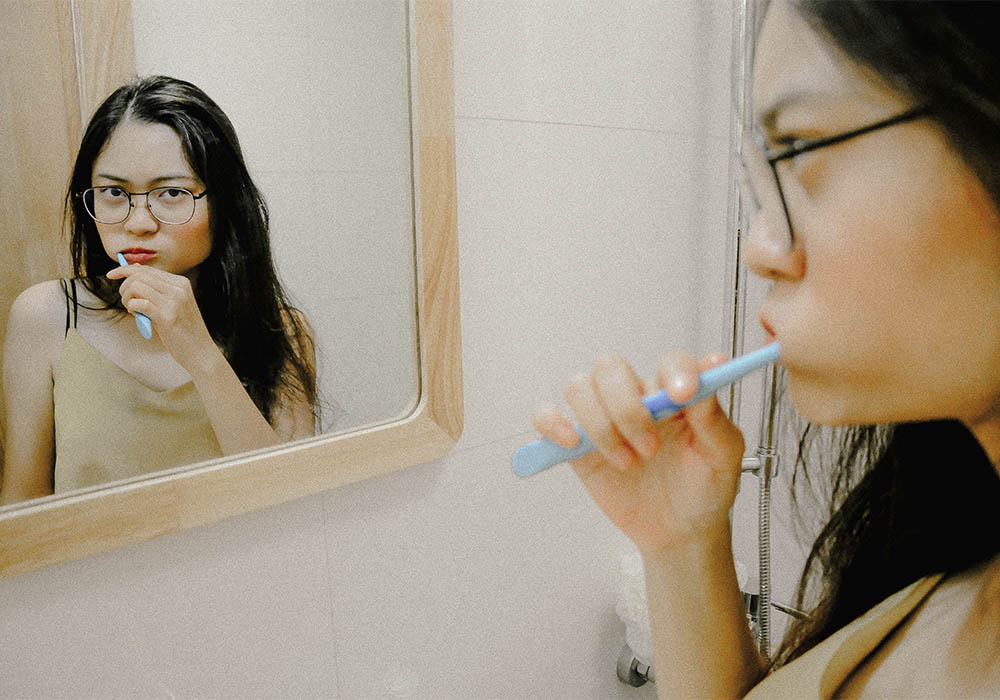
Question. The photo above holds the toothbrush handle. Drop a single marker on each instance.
(142, 321)
(544, 453)
(144, 325)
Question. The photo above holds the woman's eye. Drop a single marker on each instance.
(115, 192)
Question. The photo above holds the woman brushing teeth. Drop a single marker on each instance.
(167, 224)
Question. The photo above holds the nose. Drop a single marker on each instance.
(140, 221)
(769, 255)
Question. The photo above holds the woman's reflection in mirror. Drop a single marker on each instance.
(160, 178)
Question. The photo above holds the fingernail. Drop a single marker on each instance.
(569, 436)
(678, 384)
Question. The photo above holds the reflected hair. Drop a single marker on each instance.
(264, 338)
(912, 499)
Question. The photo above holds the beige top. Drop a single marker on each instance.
(822, 671)
(110, 426)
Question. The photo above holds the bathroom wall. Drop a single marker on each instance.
(592, 181)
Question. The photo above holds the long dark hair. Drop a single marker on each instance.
(264, 338)
(912, 499)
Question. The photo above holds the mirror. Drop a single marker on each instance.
(318, 93)
(384, 309)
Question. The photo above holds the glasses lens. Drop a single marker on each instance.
(761, 192)
(107, 205)
(171, 205)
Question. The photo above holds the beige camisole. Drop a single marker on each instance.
(110, 426)
(822, 671)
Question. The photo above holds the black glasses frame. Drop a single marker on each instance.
(131, 205)
(800, 146)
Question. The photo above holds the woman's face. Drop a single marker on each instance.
(887, 305)
(138, 157)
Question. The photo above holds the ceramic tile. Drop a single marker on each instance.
(361, 85)
(456, 579)
(341, 235)
(367, 359)
(236, 609)
(644, 64)
(264, 80)
(576, 243)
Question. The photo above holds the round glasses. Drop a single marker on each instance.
(760, 183)
(112, 205)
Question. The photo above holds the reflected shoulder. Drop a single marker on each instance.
(38, 307)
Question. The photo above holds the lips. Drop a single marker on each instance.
(769, 332)
(138, 255)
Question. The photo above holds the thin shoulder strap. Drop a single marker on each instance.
(70, 296)
(62, 285)
(72, 286)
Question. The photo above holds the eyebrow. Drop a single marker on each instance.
(155, 180)
(790, 99)
(770, 115)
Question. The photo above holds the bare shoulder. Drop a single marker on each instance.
(35, 333)
(38, 312)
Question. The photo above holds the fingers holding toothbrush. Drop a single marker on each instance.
(168, 301)
(609, 405)
(660, 482)
(613, 383)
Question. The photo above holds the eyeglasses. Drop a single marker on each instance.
(760, 183)
(112, 205)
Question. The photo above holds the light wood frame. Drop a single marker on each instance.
(56, 529)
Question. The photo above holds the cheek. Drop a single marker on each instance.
(887, 241)
(105, 233)
(196, 237)
(901, 295)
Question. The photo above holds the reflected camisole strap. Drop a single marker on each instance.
(70, 296)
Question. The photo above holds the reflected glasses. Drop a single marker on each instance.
(112, 205)
(760, 182)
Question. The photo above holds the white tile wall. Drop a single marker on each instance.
(592, 170)
(239, 609)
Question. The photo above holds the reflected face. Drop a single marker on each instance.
(887, 303)
(138, 157)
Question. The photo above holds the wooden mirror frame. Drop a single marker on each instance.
(56, 529)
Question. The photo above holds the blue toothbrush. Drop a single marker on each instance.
(142, 321)
(544, 453)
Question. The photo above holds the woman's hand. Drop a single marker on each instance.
(168, 300)
(664, 484)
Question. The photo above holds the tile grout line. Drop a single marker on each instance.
(543, 122)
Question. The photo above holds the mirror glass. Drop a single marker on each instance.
(319, 95)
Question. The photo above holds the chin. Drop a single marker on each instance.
(833, 406)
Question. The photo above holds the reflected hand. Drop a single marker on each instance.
(662, 483)
(168, 300)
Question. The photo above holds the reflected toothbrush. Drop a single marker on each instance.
(142, 321)
(544, 453)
